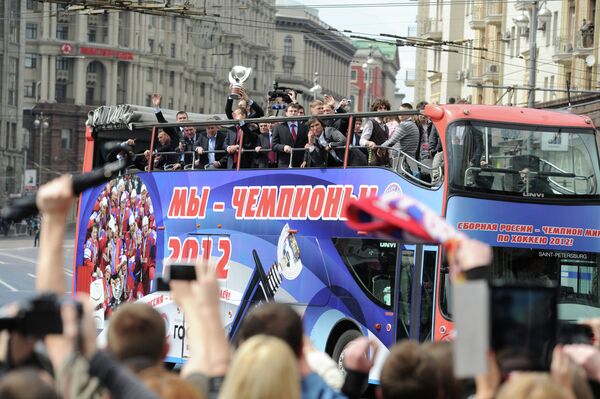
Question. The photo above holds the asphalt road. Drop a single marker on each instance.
(17, 267)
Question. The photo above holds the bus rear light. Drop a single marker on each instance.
(219, 226)
(292, 231)
(378, 326)
(197, 225)
(466, 111)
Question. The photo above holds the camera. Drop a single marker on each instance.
(38, 317)
(282, 92)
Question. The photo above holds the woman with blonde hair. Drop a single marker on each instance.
(264, 367)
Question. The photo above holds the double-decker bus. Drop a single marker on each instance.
(525, 181)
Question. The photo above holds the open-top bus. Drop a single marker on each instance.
(523, 180)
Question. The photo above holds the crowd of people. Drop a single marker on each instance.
(321, 141)
(270, 358)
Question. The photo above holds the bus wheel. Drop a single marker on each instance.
(340, 346)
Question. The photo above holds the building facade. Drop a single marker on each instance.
(13, 141)
(490, 58)
(305, 45)
(373, 74)
(88, 59)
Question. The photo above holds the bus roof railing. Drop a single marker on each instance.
(271, 119)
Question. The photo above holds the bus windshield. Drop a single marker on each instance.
(522, 160)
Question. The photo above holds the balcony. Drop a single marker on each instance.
(433, 28)
(494, 13)
(474, 74)
(491, 71)
(409, 80)
(476, 19)
(563, 50)
(584, 44)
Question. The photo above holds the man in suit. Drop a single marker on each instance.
(234, 143)
(357, 156)
(321, 143)
(213, 140)
(164, 153)
(264, 159)
(289, 136)
(181, 116)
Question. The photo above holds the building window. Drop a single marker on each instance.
(65, 139)
(171, 78)
(161, 76)
(231, 48)
(170, 105)
(29, 90)
(174, 24)
(254, 85)
(353, 75)
(30, 30)
(203, 62)
(150, 77)
(92, 35)
(202, 89)
(151, 45)
(288, 44)
(13, 136)
(32, 5)
(173, 50)
(148, 100)
(30, 60)
(62, 64)
(62, 32)
(60, 92)
(91, 67)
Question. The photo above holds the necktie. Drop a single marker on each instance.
(237, 135)
(271, 153)
(293, 128)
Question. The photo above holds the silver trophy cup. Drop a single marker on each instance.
(238, 75)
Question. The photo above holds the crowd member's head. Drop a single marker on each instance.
(25, 384)
(408, 373)
(532, 386)
(380, 104)
(163, 138)
(240, 113)
(263, 368)
(358, 126)
(328, 109)
(168, 385)
(315, 126)
(316, 107)
(189, 131)
(300, 110)
(264, 127)
(274, 319)
(291, 110)
(181, 116)
(405, 107)
(212, 130)
(421, 105)
(137, 331)
(442, 355)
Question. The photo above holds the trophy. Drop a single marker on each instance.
(238, 75)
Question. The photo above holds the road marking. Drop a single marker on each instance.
(10, 287)
(24, 259)
(31, 275)
(68, 272)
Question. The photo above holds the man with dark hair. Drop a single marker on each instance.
(408, 373)
(213, 140)
(289, 136)
(137, 332)
(375, 133)
(322, 141)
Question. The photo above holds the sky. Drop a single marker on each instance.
(366, 16)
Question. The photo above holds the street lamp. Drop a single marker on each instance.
(541, 16)
(366, 67)
(41, 123)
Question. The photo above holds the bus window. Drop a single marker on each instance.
(429, 262)
(373, 264)
(522, 160)
(575, 272)
(407, 268)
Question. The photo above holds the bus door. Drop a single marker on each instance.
(415, 284)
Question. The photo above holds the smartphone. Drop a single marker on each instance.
(573, 333)
(523, 325)
(181, 271)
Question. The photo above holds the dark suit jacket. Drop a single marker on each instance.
(249, 145)
(202, 142)
(255, 110)
(282, 137)
(261, 159)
